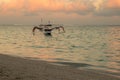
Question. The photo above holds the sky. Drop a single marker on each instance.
(87, 12)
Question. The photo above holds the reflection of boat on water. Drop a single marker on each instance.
(47, 29)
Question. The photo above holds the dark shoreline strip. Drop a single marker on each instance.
(15, 68)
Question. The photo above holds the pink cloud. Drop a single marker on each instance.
(113, 4)
(81, 7)
(43, 5)
(76, 6)
(8, 7)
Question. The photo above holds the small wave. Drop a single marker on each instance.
(73, 64)
(39, 46)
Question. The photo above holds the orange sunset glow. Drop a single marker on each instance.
(101, 11)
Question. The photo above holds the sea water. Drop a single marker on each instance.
(88, 46)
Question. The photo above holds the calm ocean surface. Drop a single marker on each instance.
(91, 47)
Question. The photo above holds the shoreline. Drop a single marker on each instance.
(17, 68)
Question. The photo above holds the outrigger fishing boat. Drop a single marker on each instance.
(47, 29)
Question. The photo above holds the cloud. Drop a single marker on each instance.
(38, 6)
(66, 6)
(113, 4)
(97, 4)
(80, 7)
(11, 6)
(109, 8)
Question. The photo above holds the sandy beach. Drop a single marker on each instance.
(15, 68)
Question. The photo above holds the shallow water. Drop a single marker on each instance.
(92, 47)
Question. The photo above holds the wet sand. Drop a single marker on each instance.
(16, 68)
